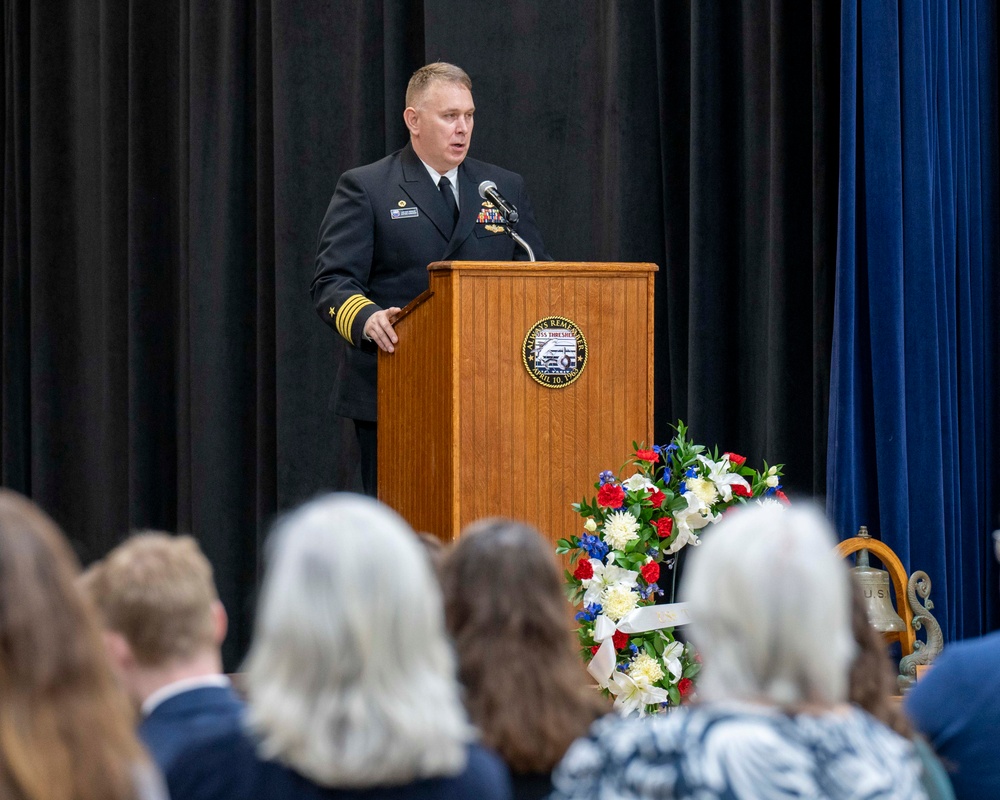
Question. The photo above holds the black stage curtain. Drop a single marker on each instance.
(166, 167)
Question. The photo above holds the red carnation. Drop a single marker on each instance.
(610, 495)
(584, 570)
(647, 455)
(685, 686)
(594, 649)
(620, 640)
(657, 498)
(741, 491)
(664, 527)
(783, 497)
(735, 459)
(650, 572)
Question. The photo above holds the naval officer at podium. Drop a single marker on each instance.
(388, 220)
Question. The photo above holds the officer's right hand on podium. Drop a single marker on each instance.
(378, 328)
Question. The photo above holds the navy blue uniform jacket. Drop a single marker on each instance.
(386, 222)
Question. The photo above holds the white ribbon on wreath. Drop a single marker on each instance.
(638, 620)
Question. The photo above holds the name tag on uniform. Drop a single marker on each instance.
(403, 213)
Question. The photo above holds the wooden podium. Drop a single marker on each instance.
(465, 431)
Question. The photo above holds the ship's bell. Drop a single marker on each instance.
(874, 585)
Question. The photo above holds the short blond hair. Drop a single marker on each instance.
(438, 71)
(157, 591)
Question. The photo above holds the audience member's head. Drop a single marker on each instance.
(526, 687)
(771, 609)
(871, 684)
(162, 616)
(65, 729)
(351, 679)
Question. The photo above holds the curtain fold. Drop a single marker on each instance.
(748, 120)
(912, 416)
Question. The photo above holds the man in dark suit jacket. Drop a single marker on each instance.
(163, 627)
(388, 220)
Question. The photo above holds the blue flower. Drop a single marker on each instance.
(634, 649)
(666, 475)
(594, 547)
(691, 473)
(622, 668)
(589, 613)
(682, 487)
(606, 477)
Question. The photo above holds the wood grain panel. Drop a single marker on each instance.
(518, 448)
(415, 451)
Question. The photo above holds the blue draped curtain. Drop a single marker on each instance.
(912, 440)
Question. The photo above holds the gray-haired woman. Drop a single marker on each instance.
(350, 680)
(771, 617)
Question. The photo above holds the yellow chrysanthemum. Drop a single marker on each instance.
(617, 600)
(703, 489)
(645, 670)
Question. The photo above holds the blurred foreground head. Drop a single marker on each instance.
(160, 609)
(65, 728)
(526, 686)
(350, 678)
(770, 603)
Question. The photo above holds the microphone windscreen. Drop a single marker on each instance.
(484, 186)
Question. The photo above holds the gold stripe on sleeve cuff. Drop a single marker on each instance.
(349, 312)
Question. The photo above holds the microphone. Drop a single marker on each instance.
(488, 191)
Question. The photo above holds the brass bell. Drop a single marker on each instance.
(874, 585)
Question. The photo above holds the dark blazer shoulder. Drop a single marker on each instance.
(377, 172)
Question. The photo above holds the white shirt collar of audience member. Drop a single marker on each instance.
(164, 693)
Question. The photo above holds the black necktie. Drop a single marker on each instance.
(449, 198)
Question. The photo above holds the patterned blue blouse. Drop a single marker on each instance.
(740, 751)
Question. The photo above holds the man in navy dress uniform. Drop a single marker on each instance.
(388, 220)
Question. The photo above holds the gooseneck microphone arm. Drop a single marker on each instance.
(488, 191)
(520, 240)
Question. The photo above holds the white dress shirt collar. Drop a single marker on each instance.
(164, 693)
(451, 175)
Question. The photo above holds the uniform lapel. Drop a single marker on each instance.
(422, 191)
(469, 206)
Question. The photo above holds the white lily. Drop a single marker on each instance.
(684, 537)
(605, 575)
(672, 659)
(631, 697)
(638, 483)
(692, 518)
(720, 473)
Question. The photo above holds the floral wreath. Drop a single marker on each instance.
(634, 530)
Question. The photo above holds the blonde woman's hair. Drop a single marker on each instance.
(351, 679)
(770, 608)
(66, 730)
